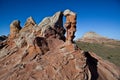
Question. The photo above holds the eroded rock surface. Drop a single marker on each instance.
(39, 52)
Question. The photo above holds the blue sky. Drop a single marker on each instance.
(100, 16)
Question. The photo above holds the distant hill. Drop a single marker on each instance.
(92, 37)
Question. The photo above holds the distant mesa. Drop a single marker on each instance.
(93, 37)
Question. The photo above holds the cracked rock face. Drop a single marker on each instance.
(39, 52)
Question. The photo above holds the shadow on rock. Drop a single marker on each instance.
(42, 43)
(92, 64)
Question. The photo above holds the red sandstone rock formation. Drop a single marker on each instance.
(37, 53)
(70, 25)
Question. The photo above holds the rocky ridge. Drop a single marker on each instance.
(41, 52)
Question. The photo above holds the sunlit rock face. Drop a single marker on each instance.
(41, 52)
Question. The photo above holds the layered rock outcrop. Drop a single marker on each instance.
(40, 52)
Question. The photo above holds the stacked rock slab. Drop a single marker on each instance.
(37, 53)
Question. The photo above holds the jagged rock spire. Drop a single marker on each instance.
(30, 22)
(14, 28)
(70, 25)
(29, 25)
